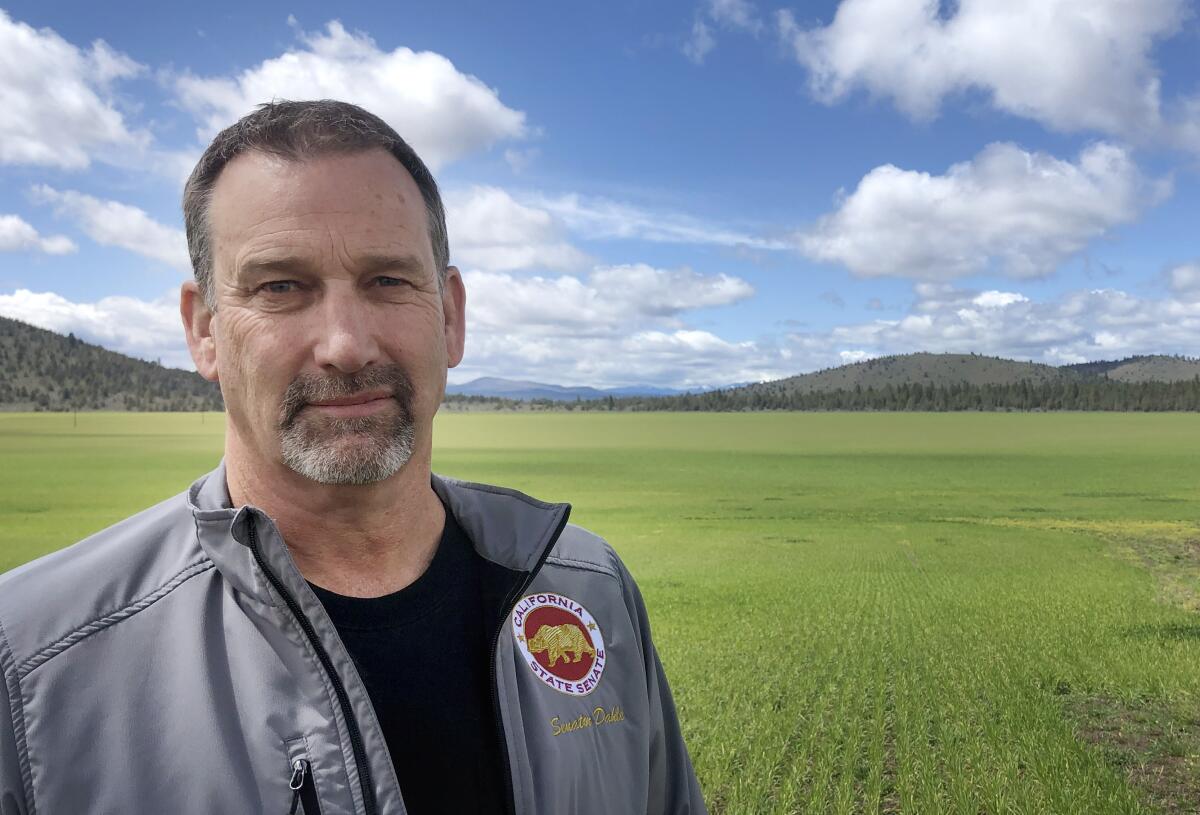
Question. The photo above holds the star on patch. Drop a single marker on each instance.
(591, 626)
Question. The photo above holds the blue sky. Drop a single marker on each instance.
(680, 194)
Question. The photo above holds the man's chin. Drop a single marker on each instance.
(348, 451)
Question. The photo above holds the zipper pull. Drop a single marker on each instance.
(299, 771)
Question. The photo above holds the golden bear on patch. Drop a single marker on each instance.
(558, 640)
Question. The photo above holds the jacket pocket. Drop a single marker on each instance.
(302, 784)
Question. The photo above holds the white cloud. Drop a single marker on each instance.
(1006, 210)
(1184, 279)
(620, 325)
(146, 329)
(443, 113)
(661, 293)
(58, 104)
(1076, 327)
(612, 300)
(682, 358)
(999, 299)
(739, 14)
(16, 235)
(490, 230)
(602, 218)
(112, 223)
(1069, 65)
(730, 15)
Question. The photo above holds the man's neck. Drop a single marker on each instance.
(360, 541)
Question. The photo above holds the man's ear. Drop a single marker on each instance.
(198, 329)
(454, 309)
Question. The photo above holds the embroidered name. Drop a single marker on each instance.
(599, 717)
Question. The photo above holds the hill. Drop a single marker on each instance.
(951, 382)
(1158, 368)
(938, 370)
(43, 370)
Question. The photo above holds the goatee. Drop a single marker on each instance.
(355, 450)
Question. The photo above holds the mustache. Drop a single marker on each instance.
(308, 388)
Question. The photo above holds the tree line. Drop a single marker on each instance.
(1073, 395)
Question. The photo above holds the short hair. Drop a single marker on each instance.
(296, 131)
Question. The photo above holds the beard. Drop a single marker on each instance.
(355, 450)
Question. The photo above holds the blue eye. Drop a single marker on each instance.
(279, 286)
(389, 281)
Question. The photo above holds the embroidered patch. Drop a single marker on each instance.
(561, 642)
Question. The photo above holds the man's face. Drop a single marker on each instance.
(331, 336)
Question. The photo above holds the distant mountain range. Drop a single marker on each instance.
(519, 389)
(42, 370)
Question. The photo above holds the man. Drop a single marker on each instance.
(320, 625)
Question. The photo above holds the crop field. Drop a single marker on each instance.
(859, 613)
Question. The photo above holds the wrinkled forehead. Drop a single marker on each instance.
(362, 198)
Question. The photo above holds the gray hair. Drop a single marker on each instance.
(296, 131)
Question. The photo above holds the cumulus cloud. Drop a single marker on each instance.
(59, 109)
(16, 235)
(682, 358)
(443, 113)
(491, 230)
(611, 300)
(619, 325)
(1068, 65)
(602, 218)
(1077, 326)
(112, 223)
(998, 299)
(1006, 210)
(146, 329)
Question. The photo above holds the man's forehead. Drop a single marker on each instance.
(368, 191)
(336, 181)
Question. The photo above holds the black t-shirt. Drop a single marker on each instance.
(424, 654)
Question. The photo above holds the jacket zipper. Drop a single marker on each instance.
(360, 754)
(304, 788)
(510, 798)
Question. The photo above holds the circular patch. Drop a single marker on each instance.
(561, 642)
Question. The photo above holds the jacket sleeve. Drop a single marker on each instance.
(12, 779)
(673, 786)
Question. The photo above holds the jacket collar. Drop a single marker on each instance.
(508, 528)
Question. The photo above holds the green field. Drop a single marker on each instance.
(966, 613)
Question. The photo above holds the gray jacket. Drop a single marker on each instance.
(178, 662)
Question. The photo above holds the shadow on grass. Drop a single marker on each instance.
(1165, 631)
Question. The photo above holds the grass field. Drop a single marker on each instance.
(984, 613)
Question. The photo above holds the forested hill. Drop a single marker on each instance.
(939, 370)
(41, 370)
(939, 382)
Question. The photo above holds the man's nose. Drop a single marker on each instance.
(346, 339)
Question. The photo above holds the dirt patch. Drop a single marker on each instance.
(1157, 749)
